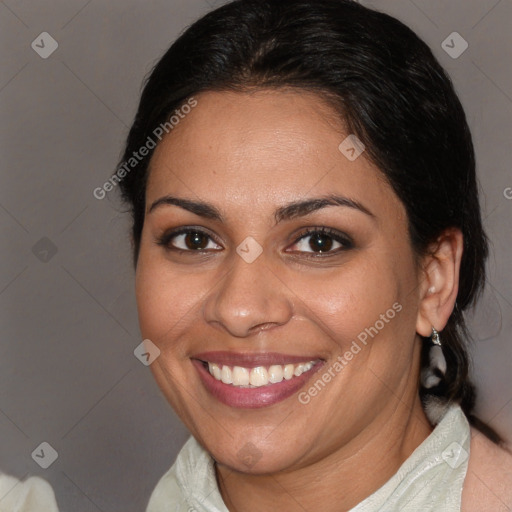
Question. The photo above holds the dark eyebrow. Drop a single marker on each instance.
(197, 207)
(288, 212)
(301, 208)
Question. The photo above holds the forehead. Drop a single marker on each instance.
(261, 147)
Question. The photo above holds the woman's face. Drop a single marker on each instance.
(264, 246)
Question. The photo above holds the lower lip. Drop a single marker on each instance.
(252, 398)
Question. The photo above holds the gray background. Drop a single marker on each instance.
(68, 321)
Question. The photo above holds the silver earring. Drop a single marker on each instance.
(433, 375)
(435, 337)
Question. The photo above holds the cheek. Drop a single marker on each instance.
(349, 299)
(368, 325)
(366, 314)
(165, 299)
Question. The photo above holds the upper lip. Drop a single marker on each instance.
(252, 359)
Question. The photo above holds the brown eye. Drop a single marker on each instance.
(195, 240)
(188, 240)
(320, 242)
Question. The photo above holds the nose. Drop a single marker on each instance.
(249, 298)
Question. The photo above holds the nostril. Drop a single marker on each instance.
(264, 326)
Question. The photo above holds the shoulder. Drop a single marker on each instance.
(32, 495)
(488, 483)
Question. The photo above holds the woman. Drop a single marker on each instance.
(306, 237)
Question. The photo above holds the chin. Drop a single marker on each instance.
(249, 459)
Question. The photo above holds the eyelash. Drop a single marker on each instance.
(166, 238)
(344, 240)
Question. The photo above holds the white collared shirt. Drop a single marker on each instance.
(431, 479)
(32, 495)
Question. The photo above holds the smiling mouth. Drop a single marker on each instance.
(242, 377)
(253, 380)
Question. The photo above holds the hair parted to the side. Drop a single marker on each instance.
(387, 88)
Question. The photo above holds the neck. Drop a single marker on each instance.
(340, 481)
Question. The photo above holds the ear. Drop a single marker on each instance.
(439, 283)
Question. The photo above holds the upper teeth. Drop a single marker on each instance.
(259, 376)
